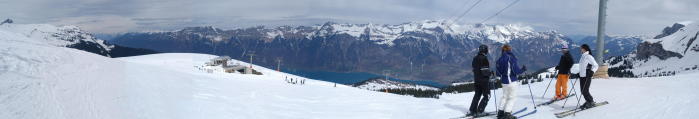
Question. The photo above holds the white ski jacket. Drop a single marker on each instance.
(586, 59)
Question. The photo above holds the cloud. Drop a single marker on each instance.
(567, 16)
(102, 23)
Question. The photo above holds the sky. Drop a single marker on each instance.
(572, 17)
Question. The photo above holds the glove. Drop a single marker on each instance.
(524, 68)
(486, 73)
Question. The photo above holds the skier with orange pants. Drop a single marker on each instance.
(563, 68)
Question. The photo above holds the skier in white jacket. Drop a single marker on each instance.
(588, 66)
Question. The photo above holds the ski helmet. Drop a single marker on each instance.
(483, 49)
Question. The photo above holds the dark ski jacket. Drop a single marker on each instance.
(481, 68)
(507, 68)
(565, 64)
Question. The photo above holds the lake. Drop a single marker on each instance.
(351, 77)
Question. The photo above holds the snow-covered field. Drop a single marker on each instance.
(40, 80)
(630, 98)
(43, 81)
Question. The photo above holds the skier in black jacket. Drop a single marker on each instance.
(563, 68)
(481, 75)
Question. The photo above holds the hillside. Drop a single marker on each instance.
(72, 37)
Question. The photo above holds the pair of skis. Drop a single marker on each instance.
(554, 100)
(527, 114)
(578, 109)
(558, 115)
(486, 114)
(572, 111)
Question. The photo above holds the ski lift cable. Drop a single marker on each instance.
(451, 17)
(465, 12)
(498, 13)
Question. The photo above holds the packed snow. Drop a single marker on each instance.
(630, 98)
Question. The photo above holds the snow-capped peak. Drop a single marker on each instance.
(386, 34)
(669, 30)
(206, 30)
(685, 22)
(498, 33)
(675, 50)
(56, 35)
(677, 38)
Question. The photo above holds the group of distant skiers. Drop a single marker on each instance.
(292, 81)
(508, 69)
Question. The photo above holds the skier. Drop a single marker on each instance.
(481, 72)
(507, 71)
(563, 68)
(588, 66)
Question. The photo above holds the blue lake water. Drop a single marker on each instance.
(351, 77)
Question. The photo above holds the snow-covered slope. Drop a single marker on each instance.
(674, 51)
(71, 37)
(64, 36)
(680, 41)
(378, 84)
(43, 81)
(670, 97)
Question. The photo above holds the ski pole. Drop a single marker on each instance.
(494, 80)
(531, 94)
(576, 93)
(581, 88)
(547, 86)
(572, 90)
(495, 97)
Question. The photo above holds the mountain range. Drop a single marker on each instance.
(425, 50)
(671, 52)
